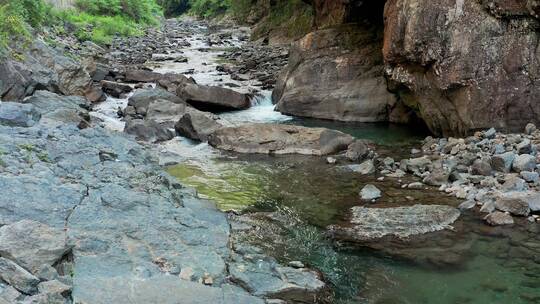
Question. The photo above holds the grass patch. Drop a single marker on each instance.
(101, 29)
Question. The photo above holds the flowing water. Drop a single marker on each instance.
(497, 265)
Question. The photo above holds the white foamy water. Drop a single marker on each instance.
(262, 111)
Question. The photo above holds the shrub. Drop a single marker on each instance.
(101, 20)
(16, 15)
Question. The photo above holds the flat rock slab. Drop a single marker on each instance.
(280, 139)
(370, 224)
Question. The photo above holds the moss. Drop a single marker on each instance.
(231, 189)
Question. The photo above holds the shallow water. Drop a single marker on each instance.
(500, 265)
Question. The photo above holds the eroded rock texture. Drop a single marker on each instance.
(458, 65)
(464, 65)
(336, 73)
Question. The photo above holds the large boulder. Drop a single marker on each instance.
(43, 68)
(459, 81)
(280, 139)
(141, 99)
(213, 99)
(336, 73)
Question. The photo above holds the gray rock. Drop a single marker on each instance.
(197, 125)
(371, 224)
(466, 205)
(142, 76)
(141, 99)
(163, 289)
(370, 192)
(531, 177)
(366, 167)
(357, 151)
(498, 218)
(54, 287)
(416, 185)
(18, 277)
(279, 139)
(503, 162)
(514, 183)
(437, 177)
(166, 112)
(513, 203)
(530, 128)
(488, 207)
(8, 294)
(115, 89)
(47, 273)
(56, 109)
(148, 130)
(18, 115)
(417, 165)
(213, 99)
(524, 162)
(490, 134)
(481, 167)
(265, 278)
(32, 244)
(524, 147)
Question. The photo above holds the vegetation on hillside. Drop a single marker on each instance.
(16, 17)
(101, 20)
(96, 20)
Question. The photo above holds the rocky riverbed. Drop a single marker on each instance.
(328, 214)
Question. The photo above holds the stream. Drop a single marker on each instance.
(498, 265)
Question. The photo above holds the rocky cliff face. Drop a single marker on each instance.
(336, 73)
(458, 65)
(464, 65)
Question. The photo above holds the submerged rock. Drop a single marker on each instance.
(280, 139)
(498, 218)
(371, 224)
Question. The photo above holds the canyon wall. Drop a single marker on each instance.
(459, 65)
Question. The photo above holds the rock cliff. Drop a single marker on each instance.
(458, 65)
